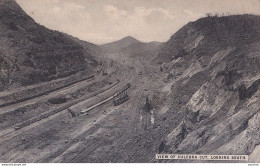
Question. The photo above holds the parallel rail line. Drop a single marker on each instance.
(44, 93)
(49, 113)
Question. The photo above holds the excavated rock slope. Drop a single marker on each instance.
(213, 69)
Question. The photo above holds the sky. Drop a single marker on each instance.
(104, 21)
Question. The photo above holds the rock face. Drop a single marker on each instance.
(212, 66)
(31, 53)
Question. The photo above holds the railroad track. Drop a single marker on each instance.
(44, 93)
(126, 76)
(49, 113)
(46, 115)
(53, 156)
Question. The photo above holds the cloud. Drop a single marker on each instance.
(192, 14)
(114, 13)
(143, 11)
(69, 13)
(110, 9)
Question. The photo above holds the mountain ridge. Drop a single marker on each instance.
(31, 53)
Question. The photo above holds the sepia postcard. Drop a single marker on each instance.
(129, 81)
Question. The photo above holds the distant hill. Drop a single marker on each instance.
(119, 45)
(212, 70)
(31, 53)
(132, 47)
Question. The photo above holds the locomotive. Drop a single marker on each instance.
(122, 96)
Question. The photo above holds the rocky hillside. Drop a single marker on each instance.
(212, 76)
(89, 48)
(31, 53)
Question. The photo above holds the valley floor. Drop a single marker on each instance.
(107, 133)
